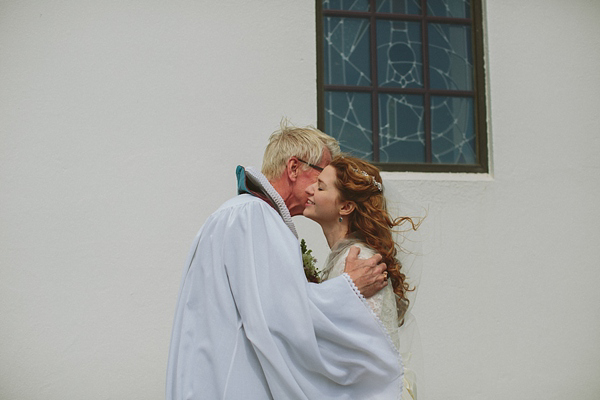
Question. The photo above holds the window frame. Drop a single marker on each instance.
(479, 100)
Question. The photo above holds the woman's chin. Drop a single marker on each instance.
(308, 213)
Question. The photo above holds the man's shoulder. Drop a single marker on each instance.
(239, 200)
(246, 202)
(245, 213)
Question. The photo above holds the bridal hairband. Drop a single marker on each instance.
(375, 183)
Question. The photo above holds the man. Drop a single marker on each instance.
(248, 325)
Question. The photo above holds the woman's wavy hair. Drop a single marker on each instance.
(360, 182)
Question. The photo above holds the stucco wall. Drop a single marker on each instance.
(121, 124)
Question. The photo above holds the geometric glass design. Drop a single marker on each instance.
(449, 8)
(401, 128)
(347, 51)
(450, 57)
(399, 6)
(346, 5)
(349, 121)
(399, 54)
(452, 131)
(400, 82)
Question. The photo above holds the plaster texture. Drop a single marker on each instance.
(121, 124)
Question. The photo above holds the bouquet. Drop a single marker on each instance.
(309, 262)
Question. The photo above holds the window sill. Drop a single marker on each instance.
(436, 176)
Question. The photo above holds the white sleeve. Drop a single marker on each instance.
(313, 341)
(375, 302)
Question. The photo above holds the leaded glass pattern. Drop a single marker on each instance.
(401, 81)
(347, 51)
(347, 5)
(452, 133)
(450, 57)
(399, 54)
(449, 8)
(399, 6)
(401, 132)
(349, 121)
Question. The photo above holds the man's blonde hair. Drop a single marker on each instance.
(306, 143)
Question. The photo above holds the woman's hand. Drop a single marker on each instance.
(369, 276)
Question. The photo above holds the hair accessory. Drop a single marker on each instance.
(375, 183)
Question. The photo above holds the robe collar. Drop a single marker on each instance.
(252, 181)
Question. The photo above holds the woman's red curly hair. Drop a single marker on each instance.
(370, 219)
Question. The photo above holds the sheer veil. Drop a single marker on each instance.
(409, 243)
(410, 254)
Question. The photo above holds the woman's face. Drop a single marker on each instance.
(323, 204)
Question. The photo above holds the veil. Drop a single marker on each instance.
(410, 254)
(409, 245)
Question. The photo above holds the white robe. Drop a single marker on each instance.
(248, 325)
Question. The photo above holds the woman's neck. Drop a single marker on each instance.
(335, 232)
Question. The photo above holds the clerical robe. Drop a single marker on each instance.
(249, 326)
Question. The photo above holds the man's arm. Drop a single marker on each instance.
(369, 276)
(312, 341)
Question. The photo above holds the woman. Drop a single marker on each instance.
(347, 201)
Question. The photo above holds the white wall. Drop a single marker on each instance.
(121, 124)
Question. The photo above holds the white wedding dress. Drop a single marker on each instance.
(383, 305)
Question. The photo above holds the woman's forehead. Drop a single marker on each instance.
(328, 175)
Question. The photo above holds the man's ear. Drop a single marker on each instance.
(347, 207)
(293, 168)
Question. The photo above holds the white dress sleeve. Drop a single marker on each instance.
(383, 303)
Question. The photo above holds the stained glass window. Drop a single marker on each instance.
(401, 82)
